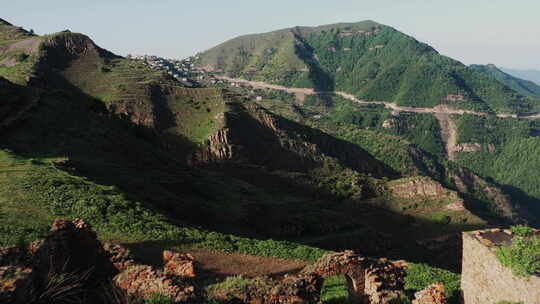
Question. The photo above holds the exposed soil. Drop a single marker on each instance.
(217, 264)
(449, 134)
(220, 264)
(28, 46)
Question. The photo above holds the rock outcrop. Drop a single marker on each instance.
(142, 281)
(71, 263)
(423, 187)
(345, 263)
(385, 281)
(296, 289)
(71, 247)
(468, 182)
(433, 294)
(179, 264)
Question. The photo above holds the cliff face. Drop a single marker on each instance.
(423, 187)
(253, 134)
(468, 182)
(485, 280)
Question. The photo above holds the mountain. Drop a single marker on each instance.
(118, 123)
(152, 164)
(524, 87)
(531, 75)
(367, 59)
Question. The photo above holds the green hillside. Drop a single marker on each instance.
(88, 134)
(524, 87)
(367, 59)
(513, 161)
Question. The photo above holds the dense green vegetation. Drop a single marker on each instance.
(420, 276)
(159, 299)
(335, 290)
(370, 60)
(514, 158)
(45, 192)
(524, 87)
(113, 142)
(402, 142)
(523, 254)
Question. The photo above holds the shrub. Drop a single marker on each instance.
(20, 57)
(231, 284)
(400, 300)
(522, 230)
(420, 276)
(159, 299)
(335, 290)
(523, 254)
(441, 219)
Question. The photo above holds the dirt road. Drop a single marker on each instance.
(442, 112)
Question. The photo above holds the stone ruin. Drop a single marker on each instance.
(374, 282)
(72, 257)
(485, 280)
(71, 250)
(433, 294)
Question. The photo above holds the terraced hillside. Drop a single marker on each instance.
(366, 59)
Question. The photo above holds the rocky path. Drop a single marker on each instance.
(442, 112)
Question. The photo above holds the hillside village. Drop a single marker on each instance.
(183, 70)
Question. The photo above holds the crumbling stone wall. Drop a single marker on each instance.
(485, 281)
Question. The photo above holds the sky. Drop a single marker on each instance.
(506, 33)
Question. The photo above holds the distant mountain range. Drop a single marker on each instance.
(519, 85)
(532, 75)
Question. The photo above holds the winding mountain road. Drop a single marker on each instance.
(442, 112)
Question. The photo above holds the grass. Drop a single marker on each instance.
(523, 254)
(159, 299)
(420, 276)
(230, 285)
(335, 290)
(39, 192)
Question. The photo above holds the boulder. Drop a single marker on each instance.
(179, 264)
(142, 281)
(296, 289)
(433, 294)
(119, 256)
(385, 281)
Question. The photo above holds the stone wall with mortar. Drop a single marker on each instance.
(484, 280)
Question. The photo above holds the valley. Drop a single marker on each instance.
(284, 167)
(442, 112)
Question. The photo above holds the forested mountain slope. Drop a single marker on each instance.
(524, 87)
(367, 59)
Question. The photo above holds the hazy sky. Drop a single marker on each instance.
(503, 32)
